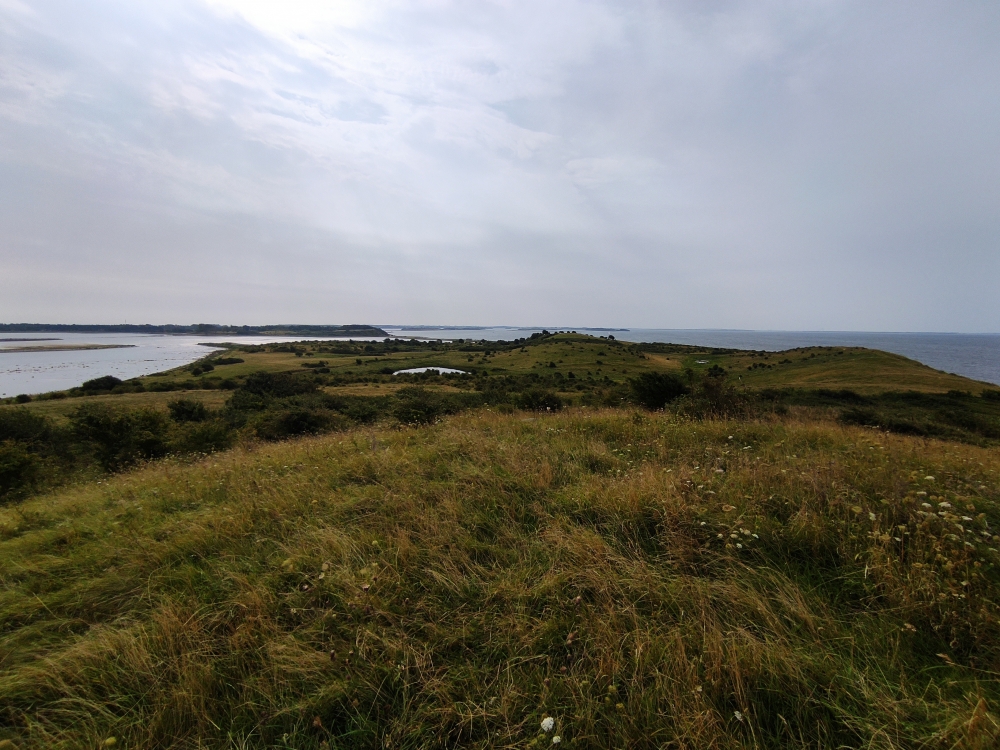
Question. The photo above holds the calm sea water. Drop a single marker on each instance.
(42, 371)
(975, 356)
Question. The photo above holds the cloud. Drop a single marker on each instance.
(827, 164)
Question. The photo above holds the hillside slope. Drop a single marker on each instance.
(646, 581)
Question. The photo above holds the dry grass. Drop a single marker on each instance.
(647, 582)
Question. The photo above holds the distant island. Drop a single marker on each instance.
(200, 329)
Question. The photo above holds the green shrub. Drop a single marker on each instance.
(120, 439)
(186, 410)
(19, 469)
(105, 383)
(276, 424)
(277, 384)
(654, 390)
(24, 426)
(415, 405)
(538, 399)
(204, 437)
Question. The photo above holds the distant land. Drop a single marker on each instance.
(202, 329)
(490, 328)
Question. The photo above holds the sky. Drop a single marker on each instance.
(800, 165)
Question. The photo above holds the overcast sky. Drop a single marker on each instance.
(810, 164)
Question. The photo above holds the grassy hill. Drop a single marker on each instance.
(643, 579)
(799, 549)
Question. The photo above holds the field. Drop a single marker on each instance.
(646, 581)
(797, 550)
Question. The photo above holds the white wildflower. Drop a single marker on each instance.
(556, 740)
(548, 724)
(738, 715)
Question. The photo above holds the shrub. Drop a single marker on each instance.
(204, 437)
(22, 398)
(416, 406)
(538, 399)
(186, 410)
(654, 390)
(285, 423)
(276, 384)
(105, 383)
(120, 439)
(24, 426)
(19, 469)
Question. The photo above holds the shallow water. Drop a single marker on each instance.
(442, 370)
(42, 371)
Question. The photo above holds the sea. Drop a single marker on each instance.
(975, 356)
(41, 371)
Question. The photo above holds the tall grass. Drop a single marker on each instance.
(646, 581)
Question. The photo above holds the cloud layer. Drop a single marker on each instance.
(796, 165)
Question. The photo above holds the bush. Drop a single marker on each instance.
(186, 410)
(19, 469)
(229, 361)
(416, 405)
(24, 426)
(538, 399)
(654, 390)
(22, 398)
(204, 437)
(286, 423)
(276, 385)
(121, 439)
(105, 383)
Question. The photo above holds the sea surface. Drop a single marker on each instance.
(42, 371)
(975, 356)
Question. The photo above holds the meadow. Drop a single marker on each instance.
(456, 564)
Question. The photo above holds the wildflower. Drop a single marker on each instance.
(871, 516)
(556, 740)
(944, 505)
(738, 715)
(548, 724)
(929, 478)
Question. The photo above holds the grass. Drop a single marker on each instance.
(645, 580)
(60, 409)
(864, 370)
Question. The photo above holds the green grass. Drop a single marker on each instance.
(645, 580)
